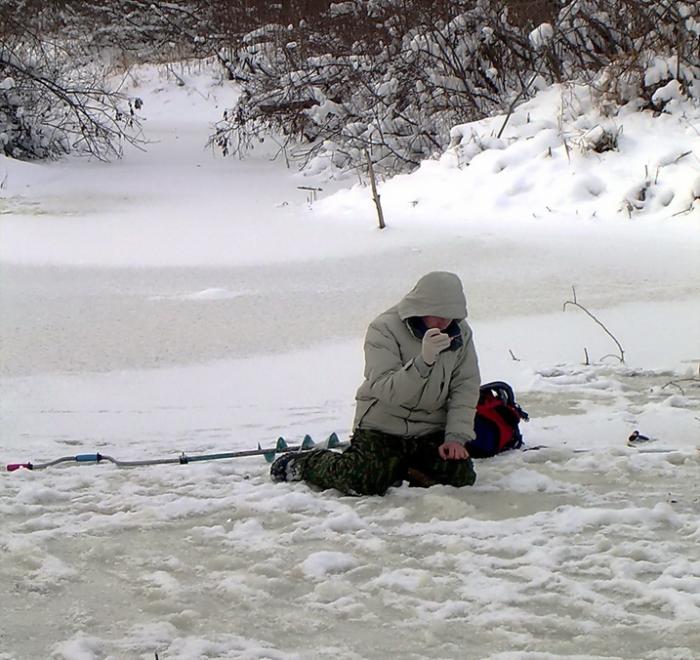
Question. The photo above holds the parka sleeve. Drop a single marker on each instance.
(463, 397)
(389, 379)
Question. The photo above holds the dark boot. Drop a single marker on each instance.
(287, 467)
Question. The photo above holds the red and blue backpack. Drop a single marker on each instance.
(497, 421)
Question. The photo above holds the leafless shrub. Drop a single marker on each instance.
(53, 99)
(376, 80)
(338, 79)
(391, 77)
(629, 49)
(575, 303)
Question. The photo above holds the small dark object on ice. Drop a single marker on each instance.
(637, 439)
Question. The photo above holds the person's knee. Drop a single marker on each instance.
(352, 473)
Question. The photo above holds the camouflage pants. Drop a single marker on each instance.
(375, 460)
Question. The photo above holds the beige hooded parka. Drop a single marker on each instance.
(401, 394)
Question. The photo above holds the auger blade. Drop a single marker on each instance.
(307, 443)
(280, 446)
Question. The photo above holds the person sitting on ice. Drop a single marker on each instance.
(415, 409)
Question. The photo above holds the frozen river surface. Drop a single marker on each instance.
(169, 304)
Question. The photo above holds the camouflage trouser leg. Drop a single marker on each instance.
(425, 458)
(374, 461)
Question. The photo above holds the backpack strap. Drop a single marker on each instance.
(504, 392)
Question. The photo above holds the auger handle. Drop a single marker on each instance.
(88, 458)
(16, 466)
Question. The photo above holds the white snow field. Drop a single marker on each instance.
(176, 301)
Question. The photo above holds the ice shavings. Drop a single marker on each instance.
(80, 647)
(347, 521)
(161, 582)
(493, 563)
(319, 564)
(525, 480)
(404, 579)
(30, 493)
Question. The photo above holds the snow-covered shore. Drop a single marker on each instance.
(176, 301)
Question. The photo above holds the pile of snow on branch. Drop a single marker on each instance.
(365, 81)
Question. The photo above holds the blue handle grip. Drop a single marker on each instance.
(88, 458)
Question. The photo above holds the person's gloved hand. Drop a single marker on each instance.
(434, 341)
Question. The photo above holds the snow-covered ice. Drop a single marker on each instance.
(177, 302)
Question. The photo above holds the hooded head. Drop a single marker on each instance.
(435, 294)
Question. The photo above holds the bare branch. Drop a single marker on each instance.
(575, 303)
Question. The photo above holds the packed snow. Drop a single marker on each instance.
(177, 301)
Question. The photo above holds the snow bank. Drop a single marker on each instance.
(635, 165)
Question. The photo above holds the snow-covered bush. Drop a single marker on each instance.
(629, 49)
(339, 80)
(53, 94)
(55, 59)
(48, 109)
(370, 76)
(365, 78)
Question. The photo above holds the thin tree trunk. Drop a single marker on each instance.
(375, 194)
